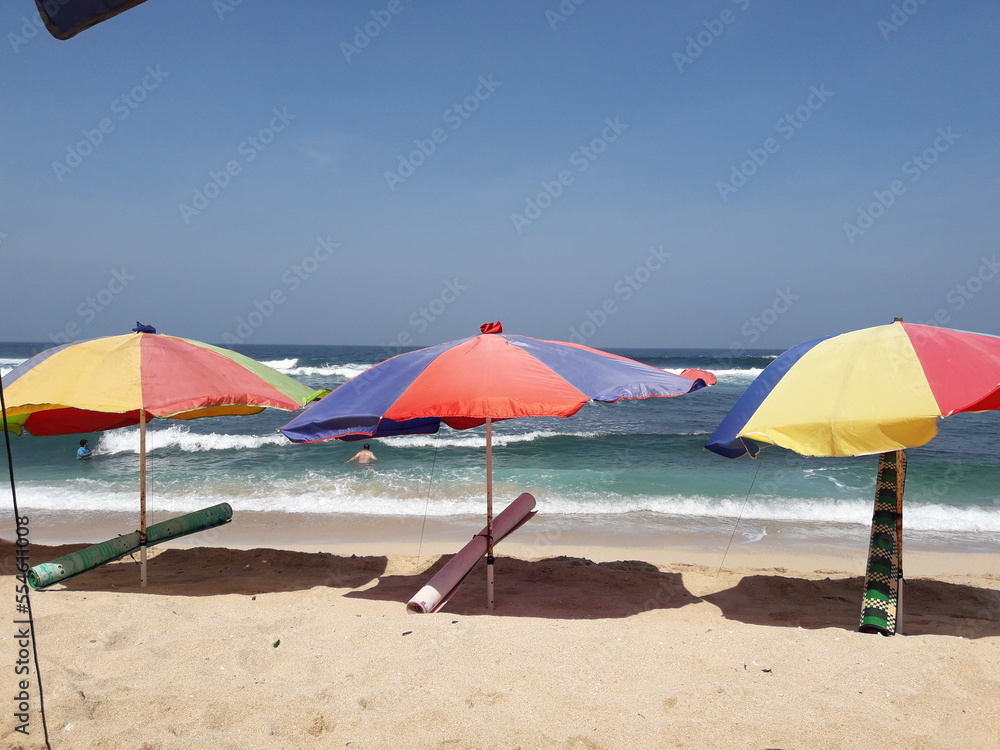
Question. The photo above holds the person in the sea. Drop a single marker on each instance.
(85, 450)
(363, 456)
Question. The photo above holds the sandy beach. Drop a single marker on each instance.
(242, 645)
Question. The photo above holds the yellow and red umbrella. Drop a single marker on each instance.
(119, 381)
(869, 391)
(115, 381)
(877, 390)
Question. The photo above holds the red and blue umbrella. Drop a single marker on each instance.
(480, 380)
(492, 376)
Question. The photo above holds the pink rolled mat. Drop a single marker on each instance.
(447, 580)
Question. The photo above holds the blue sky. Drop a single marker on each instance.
(707, 174)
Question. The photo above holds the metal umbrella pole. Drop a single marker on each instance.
(489, 513)
(142, 497)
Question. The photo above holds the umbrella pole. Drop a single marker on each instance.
(489, 513)
(900, 481)
(142, 497)
(881, 606)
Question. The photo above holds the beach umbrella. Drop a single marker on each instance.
(67, 18)
(477, 381)
(119, 381)
(874, 391)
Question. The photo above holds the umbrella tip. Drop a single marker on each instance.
(140, 328)
(491, 327)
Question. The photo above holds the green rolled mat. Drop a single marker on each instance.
(75, 563)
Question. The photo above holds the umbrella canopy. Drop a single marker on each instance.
(118, 381)
(492, 376)
(877, 390)
(869, 391)
(104, 383)
(479, 380)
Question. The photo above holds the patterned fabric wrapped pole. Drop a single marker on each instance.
(881, 609)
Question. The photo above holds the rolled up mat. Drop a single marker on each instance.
(96, 555)
(447, 580)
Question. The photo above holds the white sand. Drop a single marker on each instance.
(657, 650)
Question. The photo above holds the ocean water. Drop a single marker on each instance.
(626, 466)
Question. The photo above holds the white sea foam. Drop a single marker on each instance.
(751, 536)
(453, 439)
(179, 436)
(282, 365)
(828, 474)
(318, 496)
(385, 494)
(291, 367)
(9, 363)
(737, 375)
(346, 372)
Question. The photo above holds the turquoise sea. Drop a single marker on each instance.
(623, 466)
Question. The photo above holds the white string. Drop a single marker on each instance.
(740, 516)
(430, 484)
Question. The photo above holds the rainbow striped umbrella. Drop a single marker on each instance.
(118, 381)
(480, 380)
(873, 391)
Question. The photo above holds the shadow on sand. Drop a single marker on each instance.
(558, 588)
(929, 607)
(209, 571)
(561, 587)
